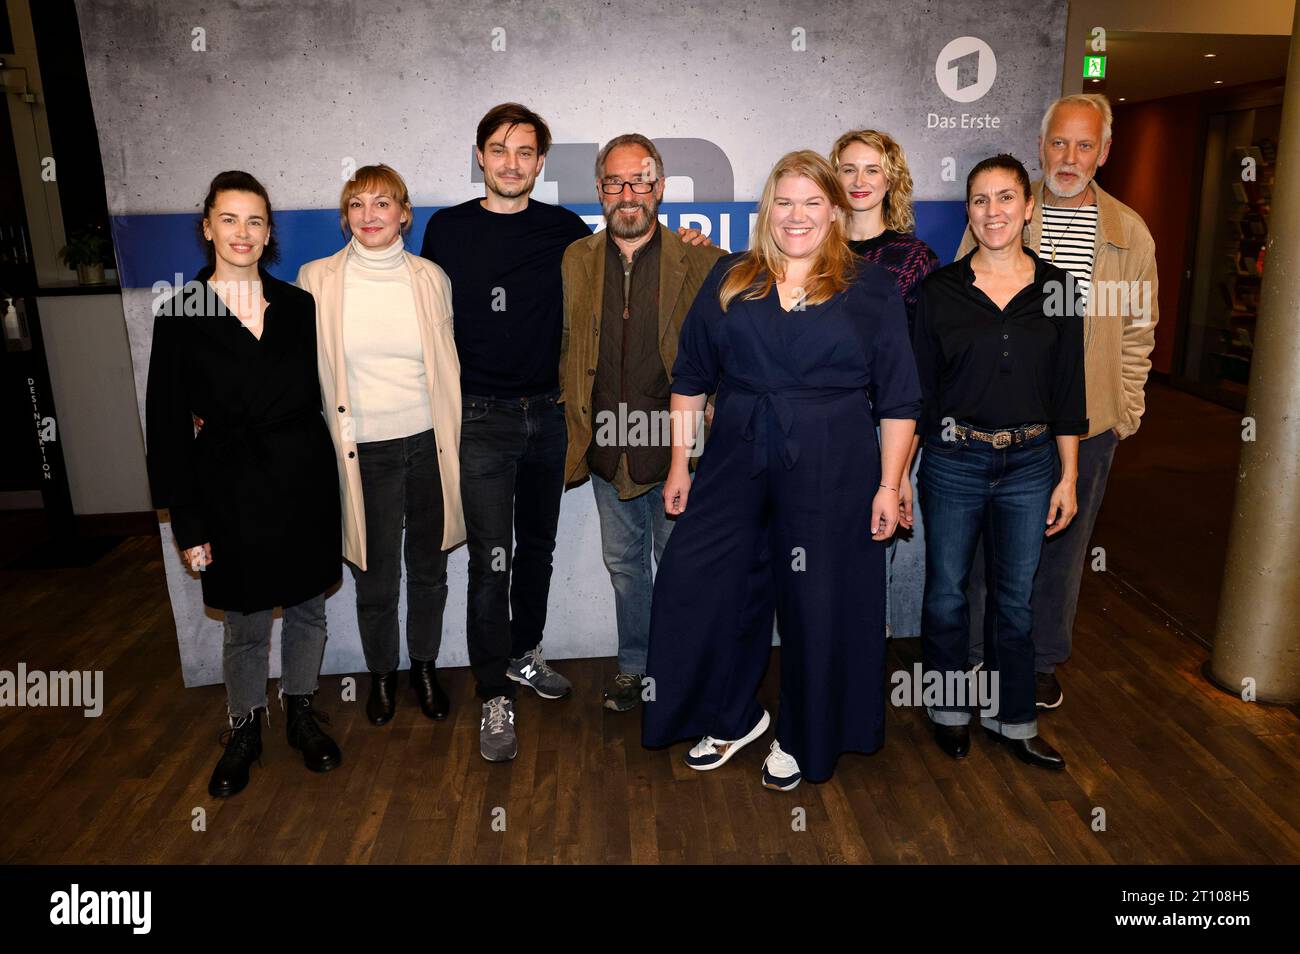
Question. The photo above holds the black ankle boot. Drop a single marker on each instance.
(383, 697)
(243, 742)
(319, 751)
(424, 679)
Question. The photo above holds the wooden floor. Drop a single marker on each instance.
(1169, 504)
(1182, 772)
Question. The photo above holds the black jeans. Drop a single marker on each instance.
(1060, 572)
(400, 485)
(511, 477)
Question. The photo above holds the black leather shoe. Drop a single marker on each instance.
(383, 697)
(243, 742)
(953, 739)
(424, 680)
(1032, 751)
(320, 753)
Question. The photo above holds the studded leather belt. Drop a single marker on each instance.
(1000, 439)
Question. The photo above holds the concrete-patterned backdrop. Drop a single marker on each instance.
(300, 91)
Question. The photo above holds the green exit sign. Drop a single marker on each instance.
(1094, 67)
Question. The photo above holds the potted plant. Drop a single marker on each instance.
(85, 252)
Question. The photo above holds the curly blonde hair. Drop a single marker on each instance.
(898, 213)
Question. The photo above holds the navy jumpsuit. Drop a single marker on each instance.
(778, 518)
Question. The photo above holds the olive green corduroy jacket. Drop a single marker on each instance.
(682, 270)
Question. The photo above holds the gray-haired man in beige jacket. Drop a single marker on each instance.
(1106, 245)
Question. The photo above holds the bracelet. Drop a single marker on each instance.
(887, 487)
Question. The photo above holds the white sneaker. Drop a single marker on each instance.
(709, 753)
(780, 770)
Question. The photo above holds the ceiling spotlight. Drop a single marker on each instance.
(1122, 98)
(1210, 56)
(1218, 82)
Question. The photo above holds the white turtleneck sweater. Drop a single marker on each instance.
(381, 344)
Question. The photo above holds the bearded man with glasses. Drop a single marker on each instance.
(626, 293)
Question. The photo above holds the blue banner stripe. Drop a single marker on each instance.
(157, 248)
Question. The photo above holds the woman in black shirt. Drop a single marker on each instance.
(999, 349)
(254, 496)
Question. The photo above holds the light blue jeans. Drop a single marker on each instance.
(630, 530)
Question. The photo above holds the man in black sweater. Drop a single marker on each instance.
(503, 254)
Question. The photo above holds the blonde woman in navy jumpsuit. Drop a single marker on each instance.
(807, 348)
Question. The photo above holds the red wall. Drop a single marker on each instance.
(1154, 155)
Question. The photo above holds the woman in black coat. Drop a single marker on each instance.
(254, 495)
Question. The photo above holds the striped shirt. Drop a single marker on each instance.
(1068, 241)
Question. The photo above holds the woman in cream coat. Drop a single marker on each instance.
(390, 380)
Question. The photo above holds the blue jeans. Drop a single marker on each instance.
(511, 478)
(1060, 571)
(629, 531)
(970, 490)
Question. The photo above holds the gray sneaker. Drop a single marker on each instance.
(496, 733)
(531, 670)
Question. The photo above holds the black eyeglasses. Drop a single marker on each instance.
(615, 187)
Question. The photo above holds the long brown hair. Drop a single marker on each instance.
(754, 273)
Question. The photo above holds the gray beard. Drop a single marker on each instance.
(621, 228)
(1052, 184)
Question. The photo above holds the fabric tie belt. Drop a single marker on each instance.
(776, 405)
